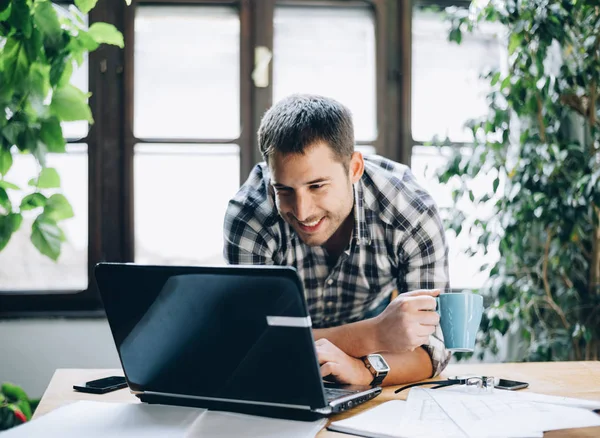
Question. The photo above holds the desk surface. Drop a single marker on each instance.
(570, 379)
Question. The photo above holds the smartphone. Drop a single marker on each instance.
(511, 385)
(102, 386)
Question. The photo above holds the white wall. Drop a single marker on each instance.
(31, 350)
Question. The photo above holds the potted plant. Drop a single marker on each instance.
(15, 407)
(40, 45)
(541, 142)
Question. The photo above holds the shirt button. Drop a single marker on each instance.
(329, 303)
(330, 282)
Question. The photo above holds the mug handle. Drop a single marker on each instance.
(437, 305)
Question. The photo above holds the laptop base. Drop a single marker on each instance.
(243, 408)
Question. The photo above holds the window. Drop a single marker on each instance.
(186, 88)
(176, 113)
(446, 92)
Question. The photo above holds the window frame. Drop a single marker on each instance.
(110, 141)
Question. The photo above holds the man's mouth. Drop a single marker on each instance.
(310, 227)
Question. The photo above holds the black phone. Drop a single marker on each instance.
(511, 385)
(101, 386)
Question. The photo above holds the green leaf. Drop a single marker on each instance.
(455, 35)
(16, 63)
(6, 160)
(48, 179)
(4, 5)
(495, 184)
(107, 34)
(46, 20)
(47, 237)
(58, 208)
(65, 77)
(52, 136)
(514, 42)
(39, 151)
(12, 131)
(39, 80)
(9, 224)
(13, 392)
(85, 6)
(4, 200)
(20, 17)
(33, 201)
(8, 185)
(6, 12)
(69, 104)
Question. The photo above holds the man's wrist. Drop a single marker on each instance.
(369, 336)
(366, 376)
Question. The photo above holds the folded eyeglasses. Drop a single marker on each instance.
(479, 382)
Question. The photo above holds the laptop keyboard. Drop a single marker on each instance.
(333, 393)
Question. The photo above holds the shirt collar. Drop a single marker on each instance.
(361, 229)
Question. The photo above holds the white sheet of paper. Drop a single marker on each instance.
(479, 413)
(92, 419)
(229, 425)
(472, 415)
(552, 399)
(395, 419)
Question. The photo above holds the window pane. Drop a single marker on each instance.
(328, 51)
(464, 270)
(187, 72)
(446, 88)
(22, 267)
(181, 193)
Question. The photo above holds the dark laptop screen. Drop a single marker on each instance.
(234, 332)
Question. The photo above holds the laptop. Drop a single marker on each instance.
(235, 338)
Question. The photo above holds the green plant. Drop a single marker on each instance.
(40, 43)
(540, 142)
(15, 407)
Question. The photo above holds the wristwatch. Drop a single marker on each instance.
(378, 367)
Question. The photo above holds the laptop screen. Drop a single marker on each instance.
(231, 332)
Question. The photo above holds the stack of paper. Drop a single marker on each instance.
(456, 413)
(92, 419)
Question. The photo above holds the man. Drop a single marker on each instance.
(356, 229)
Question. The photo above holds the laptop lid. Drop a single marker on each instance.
(228, 333)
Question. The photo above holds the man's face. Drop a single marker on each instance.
(313, 191)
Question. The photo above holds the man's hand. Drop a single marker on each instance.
(337, 366)
(407, 321)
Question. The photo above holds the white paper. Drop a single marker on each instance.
(395, 419)
(460, 414)
(552, 399)
(482, 414)
(92, 419)
(495, 414)
(229, 425)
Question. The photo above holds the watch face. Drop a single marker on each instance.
(378, 363)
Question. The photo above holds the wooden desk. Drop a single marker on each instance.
(571, 379)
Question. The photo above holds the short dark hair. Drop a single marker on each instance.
(300, 120)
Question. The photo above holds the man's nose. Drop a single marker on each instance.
(302, 207)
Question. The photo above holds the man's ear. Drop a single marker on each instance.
(357, 167)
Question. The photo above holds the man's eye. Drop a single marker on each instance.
(283, 192)
(317, 186)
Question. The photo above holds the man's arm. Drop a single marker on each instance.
(405, 367)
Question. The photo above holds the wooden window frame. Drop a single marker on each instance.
(111, 140)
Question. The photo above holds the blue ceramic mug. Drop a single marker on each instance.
(460, 316)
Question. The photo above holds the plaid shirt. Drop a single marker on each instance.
(398, 242)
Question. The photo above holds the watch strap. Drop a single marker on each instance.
(377, 376)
